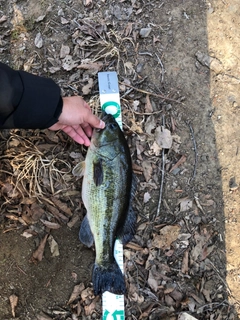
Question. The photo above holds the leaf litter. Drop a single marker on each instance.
(168, 263)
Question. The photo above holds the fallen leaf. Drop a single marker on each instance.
(3, 19)
(184, 267)
(53, 246)
(50, 225)
(64, 51)
(38, 254)
(146, 197)
(77, 290)
(150, 125)
(186, 316)
(147, 169)
(180, 161)
(68, 63)
(163, 137)
(38, 40)
(43, 316)
(185, 204)
(87, 2)
(88, 87)
(148, 105)
(13, 302)
(167, 235)
(89, 65)
(62, 206)
(152, 282)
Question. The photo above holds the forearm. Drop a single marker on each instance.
(28, 101)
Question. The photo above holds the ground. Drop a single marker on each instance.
(180, 96)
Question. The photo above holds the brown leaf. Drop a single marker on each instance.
(184, 267)
(38, 254)
(13, 302)
(148, 105)
(166, 236)
(62, 206)
(88, 87)
(77, 290)
(88, 65)
(53, 246)
(180, 161)
(163, 137)
(43, 316)
(91, 307)
(147, 169)
(50, 225)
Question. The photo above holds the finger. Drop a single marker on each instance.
(94, 121)
(87, 129)
(77, 134)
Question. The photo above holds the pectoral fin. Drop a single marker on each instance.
(98, 172)
(78, 170)
(85, 233)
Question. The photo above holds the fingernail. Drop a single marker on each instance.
(101, 124)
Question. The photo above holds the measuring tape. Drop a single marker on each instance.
(112, 304)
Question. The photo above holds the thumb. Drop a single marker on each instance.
(95, 122)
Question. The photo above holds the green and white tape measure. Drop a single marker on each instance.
(112, 304)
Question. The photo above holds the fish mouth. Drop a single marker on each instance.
(106, 116)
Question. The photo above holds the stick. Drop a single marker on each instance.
(162, 176)
(151, 93)
(195, 150)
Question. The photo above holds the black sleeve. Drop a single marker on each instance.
(28, 101)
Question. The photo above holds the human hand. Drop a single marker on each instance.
(77, 120)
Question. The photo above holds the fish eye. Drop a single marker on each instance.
(113, 125)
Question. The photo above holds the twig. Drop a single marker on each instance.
(161, 64)
(163, 173)
(151, 93)
(195, 150)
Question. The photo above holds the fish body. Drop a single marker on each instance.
(107, 191)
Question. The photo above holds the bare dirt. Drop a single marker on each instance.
(186, 260)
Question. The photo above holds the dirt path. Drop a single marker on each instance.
(185, 261)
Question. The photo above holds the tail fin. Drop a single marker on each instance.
(108, 278)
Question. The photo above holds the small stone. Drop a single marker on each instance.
(232, 184)
(144, 32)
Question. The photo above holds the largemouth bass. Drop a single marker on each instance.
(107, 192)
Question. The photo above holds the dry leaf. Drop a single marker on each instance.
(62, 206)
(50, 225)
(77, 290)
(91, 307)
(65, 50)
(185, 204)
(146, 197)
(13, 302)
(150, 124)
(43, 316)
(184, 267)
(148, 105)
(180, 161)
(38, 254)
(53, 246)
(89, 65)
(88, 87)
(68, 63)
(166, 236)
(3, 19)
(156, 149)
(186, 316)
(87, 2)
(163, 137)
(38, 40)
(152, 282)
(147, 169)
